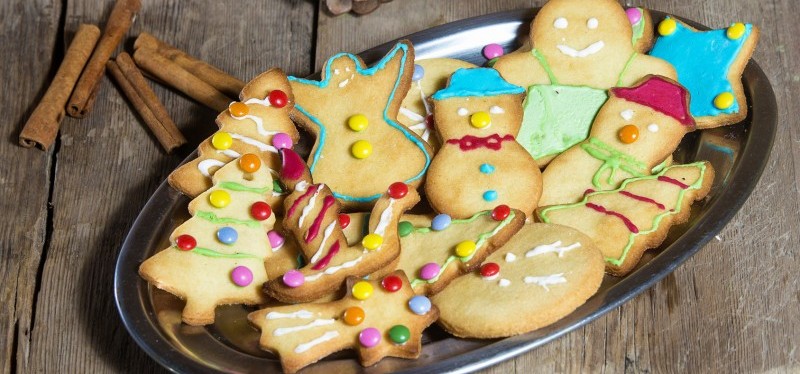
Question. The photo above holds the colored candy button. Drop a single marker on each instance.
(361, 149)
(357, 122)
(278, 98)
(419, 304)
(398, 190)
(369, 337)
(260, 210)
(276, 240)
(227, 235)
(441, 222)
(736, 31)
(487, 168)
(500, 212)
(282, 140)
(392, 283)
(490, 269)
(219, 198)
(362, 290)
(419, 72)
(492, 50)
(634, 15)
(667, 27)
(242, 276)
(404, 228)
(490, 195)
(465, 248)
(239, 109)
(249, 163)
(221, 140)
(399, 334)
(186, 242)
(372, 241)
(353, 316)
(293, 278)
(344, 220)
(429, 271)
(628, 134)
(724, 100)
(480, 120)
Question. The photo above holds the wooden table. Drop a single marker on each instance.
(733, 307)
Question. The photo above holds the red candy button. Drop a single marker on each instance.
(278, 98)
(398, 190)
(344, 220)
(392, 283)
(260, 210)
(186, 242)
(501, 212)
(489, 269)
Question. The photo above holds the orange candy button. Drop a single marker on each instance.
(628, 134)
(353, 315)
(239, 109)
(249, 162)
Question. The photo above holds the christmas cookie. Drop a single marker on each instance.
(636, 130)
(480, 164)
(581, 51)
(542, 274)
(710, 65)
(437, 249)
(416, 111)
(352, 113)
(377, 318)
(312, 217)
(259, 123)
(217, 257)
(637, 216)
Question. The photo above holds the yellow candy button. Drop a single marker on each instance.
(724, 100)
(357, 122)
(239, 109)
(361, 149)
(362, 290)
(667, 27)
(736, 31)
(480, 120)
(219, 198)
(465, 248)
(222, 141)
(372, 241)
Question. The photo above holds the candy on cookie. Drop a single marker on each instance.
(377, 318)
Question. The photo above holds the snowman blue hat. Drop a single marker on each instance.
(480, 82)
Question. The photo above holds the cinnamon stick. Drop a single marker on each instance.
(42, 127)
(215, 77)
(117, 26)
(145, 102)
(177, 77)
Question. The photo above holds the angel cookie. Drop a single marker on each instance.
(217, 257)
(312, 216)
(259, 123)
(352, 112)
(480, 164)
(542, 274)
(710, 65)
(581, 49)
(636, 130)
(377, 318)
(637, 216)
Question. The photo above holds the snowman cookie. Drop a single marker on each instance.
(636, 130)
(542, 274)
(581, 49)
(480, 164)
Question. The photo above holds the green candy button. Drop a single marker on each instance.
(404, 228)
(399, 334)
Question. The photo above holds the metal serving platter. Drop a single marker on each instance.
(738, 153)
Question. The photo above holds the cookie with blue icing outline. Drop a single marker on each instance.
(360, 148)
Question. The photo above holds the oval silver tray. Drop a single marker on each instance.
(152, 317)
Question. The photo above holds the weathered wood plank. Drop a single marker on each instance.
(109, 165)
(732, 307)
(30, 26)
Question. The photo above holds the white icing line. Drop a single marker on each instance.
(626, 114)
(230, 153)
(298, 314)
(325, 236)
(204, 165)
(496, 110)
(424, 98)
(260, 145)
(301, 186)
(315, 323)
(386, 216)
(259, 124)
(588, 51)
(547, 280)
(412, 115)
(553, 247)
(264, 101)
(333, 269)
(322, 339)
(307, 208)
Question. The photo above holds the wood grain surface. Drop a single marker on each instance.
(733, 307)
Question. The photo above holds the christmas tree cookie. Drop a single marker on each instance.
(480, 164)
(710, 65)
(217, 257)
(259, 124)
(637, 216)
(377, 318)
(636, 130)
(542, 274)
(312, 217)
(580, 51)
(352, 113)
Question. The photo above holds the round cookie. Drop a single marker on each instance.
(545, 272)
